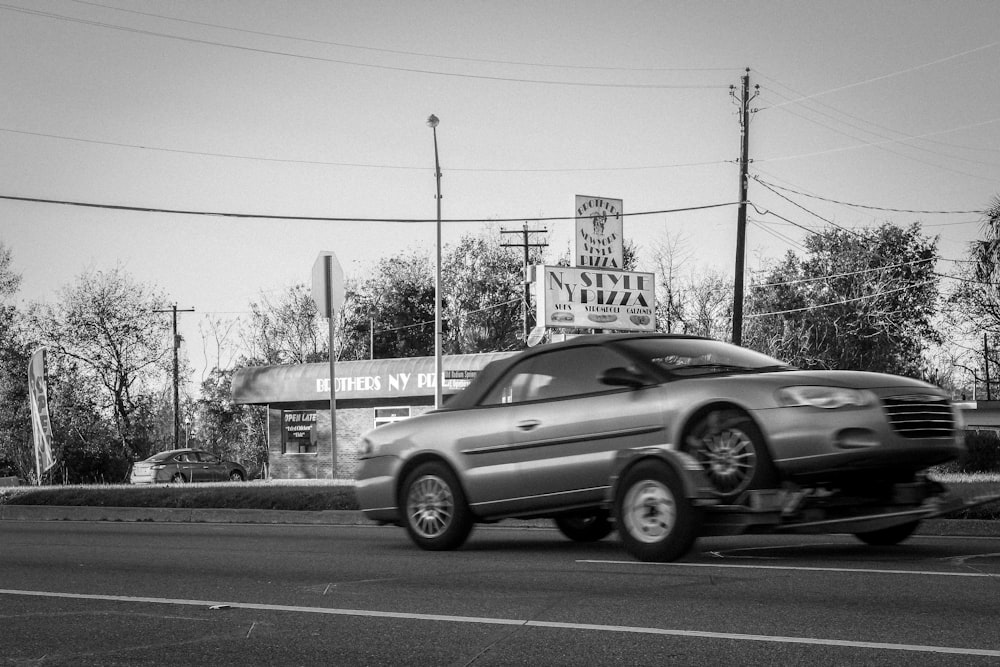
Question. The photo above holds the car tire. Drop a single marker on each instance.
(178, 478)
(236, 476)
(732, 452)
(887, 537)
(435, 511)
(655, 520)
(591, 526)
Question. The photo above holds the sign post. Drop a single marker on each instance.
(328, 294)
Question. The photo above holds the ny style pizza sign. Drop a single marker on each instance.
(594, 299)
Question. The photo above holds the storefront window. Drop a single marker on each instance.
(389, 415)
(298, 432)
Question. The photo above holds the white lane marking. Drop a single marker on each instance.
(961, 560)
(923, 573)
(700, 634)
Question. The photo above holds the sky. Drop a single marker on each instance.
(274, 112)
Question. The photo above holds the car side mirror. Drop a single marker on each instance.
(622, 377)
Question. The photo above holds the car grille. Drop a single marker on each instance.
(920, 416)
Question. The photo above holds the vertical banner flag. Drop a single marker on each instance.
(41, 427)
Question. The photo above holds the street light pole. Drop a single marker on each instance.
(433, 122)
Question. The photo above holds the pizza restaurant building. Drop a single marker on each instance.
(368, 393)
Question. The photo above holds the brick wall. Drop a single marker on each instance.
(352, 424)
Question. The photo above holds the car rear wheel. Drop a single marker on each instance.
(436, 515)
(179, 478)
(886, 537)
(655, 520)
(591, 526)
(236, 476)
(731, 450)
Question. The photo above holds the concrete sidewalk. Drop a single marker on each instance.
(954, 527)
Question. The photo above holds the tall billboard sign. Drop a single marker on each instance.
(599, 237)
(595, 298)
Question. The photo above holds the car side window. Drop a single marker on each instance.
(205, 457)
(558, 374)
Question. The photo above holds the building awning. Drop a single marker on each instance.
(357, 380)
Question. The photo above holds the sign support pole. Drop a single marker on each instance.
(328, 273)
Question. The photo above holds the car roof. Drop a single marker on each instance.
(488, 375)
(172, 452)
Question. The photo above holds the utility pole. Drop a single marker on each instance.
(741, 216)
(986, 366)
(177, 344)
(527, 244)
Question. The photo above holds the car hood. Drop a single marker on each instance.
(856, 380)
(749, 385)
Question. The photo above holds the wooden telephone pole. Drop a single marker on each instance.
(741, 216)
(177, 344)
(527, 244)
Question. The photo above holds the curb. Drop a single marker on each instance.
(942, 527)
(178, 515)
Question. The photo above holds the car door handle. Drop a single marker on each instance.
(529, 424)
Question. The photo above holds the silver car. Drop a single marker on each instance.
(181, 466)
(536, 434)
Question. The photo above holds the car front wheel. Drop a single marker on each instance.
(731, 450)
(590, 526)
(655, 520)
(436, 515)
(179, 478)
(236, 476)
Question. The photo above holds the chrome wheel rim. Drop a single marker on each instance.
(430, 506)
(729, 458)
(650, 511)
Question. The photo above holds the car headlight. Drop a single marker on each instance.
(824, 397)
(367, 447)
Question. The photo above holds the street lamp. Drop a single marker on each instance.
(433, 122)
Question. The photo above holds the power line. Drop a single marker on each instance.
(365, 165)
(903, 139)
(762, 225)
(265, 216)
(894, 74)
(812, 213)
(462, 314)
(847, 274)
(408, 53)
(864, 206)
(845, 301)
(412, 70)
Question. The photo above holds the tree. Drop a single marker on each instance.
(974, 307)
(397, 299)
(697, 301)
(103, 332)
(231, 430)
(16, 456)
(484, 295)
(861, 300)
(985, 254)
(286, 330)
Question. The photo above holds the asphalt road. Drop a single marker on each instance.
(103, 593)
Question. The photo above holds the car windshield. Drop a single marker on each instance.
(696, 356)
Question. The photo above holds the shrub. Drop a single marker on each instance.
(983, 452)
